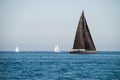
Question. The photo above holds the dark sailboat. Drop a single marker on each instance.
(83, 42)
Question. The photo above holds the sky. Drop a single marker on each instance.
(38, 25)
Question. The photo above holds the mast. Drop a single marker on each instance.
(83, 39)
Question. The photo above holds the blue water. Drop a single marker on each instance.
(59, 66)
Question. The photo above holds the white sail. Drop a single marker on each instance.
(16, 49)
(56, 49)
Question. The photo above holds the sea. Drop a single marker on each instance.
(49, 65)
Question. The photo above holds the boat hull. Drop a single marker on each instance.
(83, 52)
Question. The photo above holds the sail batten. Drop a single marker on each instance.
(83, 39)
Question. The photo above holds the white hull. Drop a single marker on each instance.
(17, 49)
(56, 49)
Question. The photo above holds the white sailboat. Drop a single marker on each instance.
(16, 49)
(56, 49)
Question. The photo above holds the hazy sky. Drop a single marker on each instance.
(41, 24)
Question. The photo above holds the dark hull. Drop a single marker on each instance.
(82, 52)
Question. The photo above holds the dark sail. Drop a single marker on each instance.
(79, 38)
(83, 39)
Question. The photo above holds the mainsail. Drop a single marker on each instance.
(83, 39)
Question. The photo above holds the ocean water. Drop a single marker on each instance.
(46, 65)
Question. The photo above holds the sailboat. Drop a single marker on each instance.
(56, 49)
(83, 42)
(16, 49)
